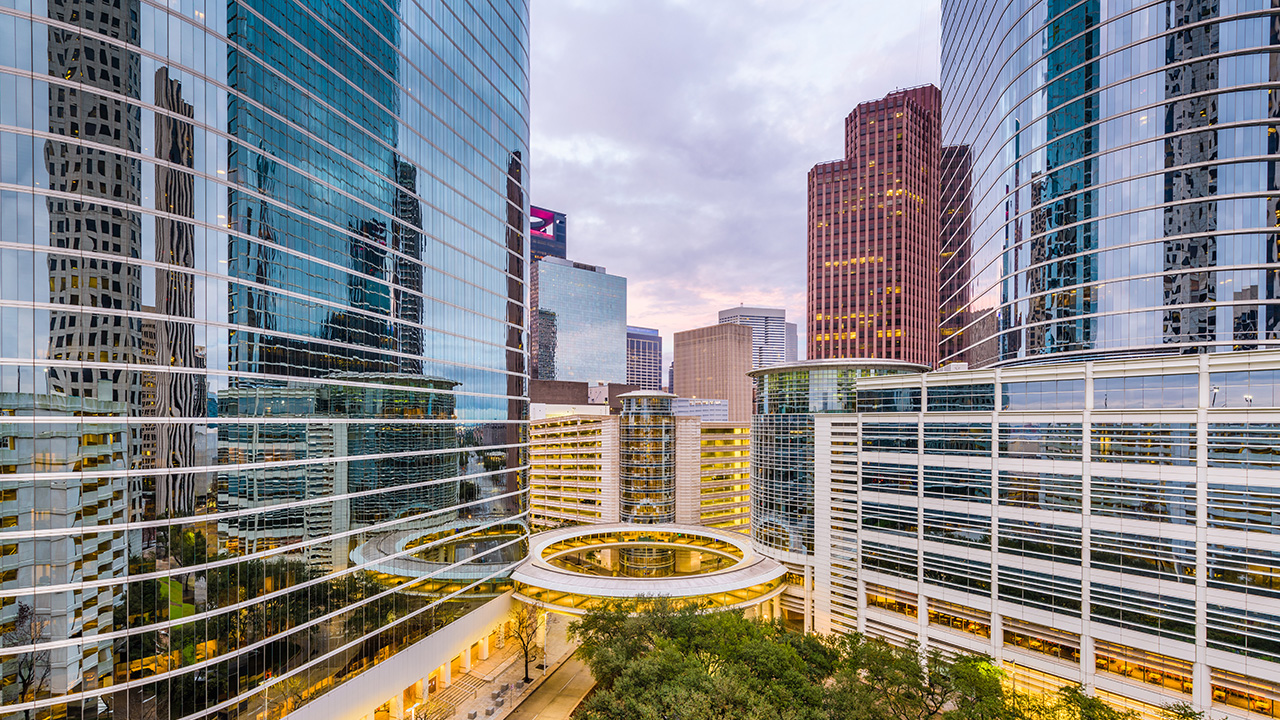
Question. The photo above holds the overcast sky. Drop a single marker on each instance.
(676, 135)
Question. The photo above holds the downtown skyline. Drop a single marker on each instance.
(685, 171)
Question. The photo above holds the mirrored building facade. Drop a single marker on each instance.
(1123, 187)
(262, 309)
(787, 397)
(579, 322)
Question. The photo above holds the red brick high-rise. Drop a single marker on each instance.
(874, 222)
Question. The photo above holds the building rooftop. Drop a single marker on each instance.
(840, 362)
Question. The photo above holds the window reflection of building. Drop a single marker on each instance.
(1191, 177)
(248, 219)
(281, 451)
(1129, 201)
(1059, 259)
(41, 436)
(75, 423)
(956, 171)
(406, 241)
(412, 461)
(179, 391)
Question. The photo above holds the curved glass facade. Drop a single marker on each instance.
(647, 462)
(261, 339)
(787, 397)
(1118, 178)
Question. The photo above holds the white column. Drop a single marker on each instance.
(446, 673)
(397, 706)
(466, 660)
(484, 648)
(809, 608)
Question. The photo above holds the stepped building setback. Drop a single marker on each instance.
(873, 234)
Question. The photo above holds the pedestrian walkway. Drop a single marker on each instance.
(481, 690)
(559, 695)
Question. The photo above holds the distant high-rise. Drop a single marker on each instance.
(713, 362)
(547, 233)
(793, 343)
(578, 322)
(583, 471)
(873, 234)
(644, 358)
(768, 333)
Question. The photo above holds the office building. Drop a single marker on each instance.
(260, 326)
(873, 248)
(770, 333)
(578, 322)
(791, 348)
(709, 409)
(564, 392)
(644, 358)
(548, 234)
(787, 398)
(576, 473)
(1123, 197)
(957, 206)
(1110, 524)
(713, 362)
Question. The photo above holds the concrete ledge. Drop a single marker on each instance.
(357, 698)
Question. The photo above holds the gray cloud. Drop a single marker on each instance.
(677, 134)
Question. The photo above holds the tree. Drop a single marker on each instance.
(654, 658)
(1071, 703)
(32, 676)
(523, 624)
(1183, 711)
(657, 659)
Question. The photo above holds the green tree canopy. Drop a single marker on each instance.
(655, 659)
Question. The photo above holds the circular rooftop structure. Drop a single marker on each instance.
(570, 570)
(647, 394)
(886, 366)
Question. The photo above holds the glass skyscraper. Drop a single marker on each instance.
(1109, 195)
(1123, 196)
(579, 327)
(787, 397)
(262, 347)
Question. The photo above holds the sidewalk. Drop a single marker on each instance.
(510, 670)
(558, 696)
